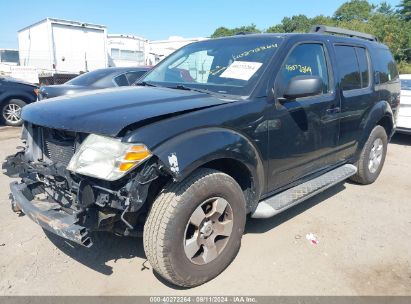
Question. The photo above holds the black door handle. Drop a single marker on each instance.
(334, 110)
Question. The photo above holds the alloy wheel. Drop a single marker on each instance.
(12, 113)
(208, 230)
(376, 154)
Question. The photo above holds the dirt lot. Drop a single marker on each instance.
(364, 247)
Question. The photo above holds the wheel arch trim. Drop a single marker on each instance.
(380, 110)
(187, 152)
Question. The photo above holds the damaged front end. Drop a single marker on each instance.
(70, 204)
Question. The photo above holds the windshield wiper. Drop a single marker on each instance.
(185, 88)
(145, 84)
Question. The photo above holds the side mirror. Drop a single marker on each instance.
(303, 86)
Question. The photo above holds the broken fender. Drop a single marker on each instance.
(186, 152)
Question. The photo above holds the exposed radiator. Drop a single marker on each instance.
(59, 146)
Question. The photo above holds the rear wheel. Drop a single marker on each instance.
(194, 229)
(372, 157)
(11, 112)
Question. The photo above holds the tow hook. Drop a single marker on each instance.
(14, 206)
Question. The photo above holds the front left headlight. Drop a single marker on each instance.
(107, 158)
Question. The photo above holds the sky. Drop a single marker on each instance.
(159, 19)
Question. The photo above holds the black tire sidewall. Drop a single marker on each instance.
(16, 101)
(377, 132)
(222, 186)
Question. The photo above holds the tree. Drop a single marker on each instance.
(405, 10)
(391, 27)
(299, 24)
(385, 9)
(223, 31)
(354, 10)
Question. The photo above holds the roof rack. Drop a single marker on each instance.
(323, 29)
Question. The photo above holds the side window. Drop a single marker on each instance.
(348, 68)
(121, 80)
(387, 68)
(364, 66)
(305, 59)
(353, 67)
(132, 77)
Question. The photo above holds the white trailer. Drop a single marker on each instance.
(160, 49)
(126, 50)
(63, 46)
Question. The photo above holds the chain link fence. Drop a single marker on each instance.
(55, 78)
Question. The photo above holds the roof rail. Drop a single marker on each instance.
(323, 29)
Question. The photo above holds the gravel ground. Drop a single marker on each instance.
(364, 247)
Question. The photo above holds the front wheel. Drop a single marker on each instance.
(372, 157)
(194, 229)
(11, 112)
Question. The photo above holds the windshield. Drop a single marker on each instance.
(89, 78)
(227, 66)
(405, 84)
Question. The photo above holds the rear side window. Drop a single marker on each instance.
(364, 67)
(353, 67)
(134, 76)
(348, 68)
(387, 69)
(121, 80)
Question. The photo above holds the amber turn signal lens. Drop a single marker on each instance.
(136, 156)
(125, 166)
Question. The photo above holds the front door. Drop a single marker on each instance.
(303, 133)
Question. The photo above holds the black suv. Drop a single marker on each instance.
(221, 129)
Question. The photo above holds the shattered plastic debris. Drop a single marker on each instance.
(312, 238)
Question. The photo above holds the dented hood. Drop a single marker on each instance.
(109, 111)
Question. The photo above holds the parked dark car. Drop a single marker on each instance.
(95, 80)
(221, 129)
(14, 95)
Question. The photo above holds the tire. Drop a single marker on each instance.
(11, 111)
(168, 229)
(374, 148)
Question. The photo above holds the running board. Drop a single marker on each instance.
(293, 196)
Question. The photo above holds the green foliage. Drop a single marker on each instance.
(385, 9)
(405, 10)
(354, 10)
(404, 67)
(223, 31)
(392, 27)
(299, 23)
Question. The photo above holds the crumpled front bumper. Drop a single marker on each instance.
(48, 215)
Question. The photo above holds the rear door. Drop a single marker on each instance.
(303, 133)
(356, 92)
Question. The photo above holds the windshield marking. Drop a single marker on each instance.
(255, 50)
(209, 65)
(301, 68)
